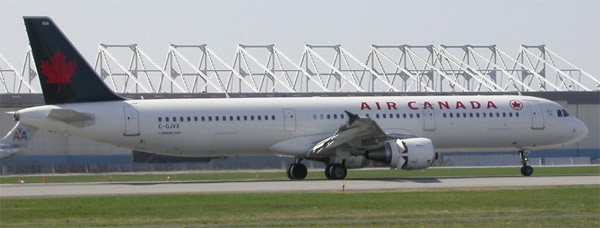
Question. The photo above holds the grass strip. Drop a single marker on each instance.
(577, 206)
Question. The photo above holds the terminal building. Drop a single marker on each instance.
(195, 71)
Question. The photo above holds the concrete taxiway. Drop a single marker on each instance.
(99, 189)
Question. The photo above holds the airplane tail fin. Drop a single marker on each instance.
(64, 74)
(16, 139)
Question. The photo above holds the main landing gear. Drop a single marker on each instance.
(296, 171)
(526, 170)
(337, 171)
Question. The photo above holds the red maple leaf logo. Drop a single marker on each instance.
(59, 72)
(516, 105)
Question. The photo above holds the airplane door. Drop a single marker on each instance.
(289, 119)
(132, 123)
(537, 119)
(429, 120)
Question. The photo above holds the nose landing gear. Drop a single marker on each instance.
(526, 169)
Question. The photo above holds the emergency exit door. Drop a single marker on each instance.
(289, 119)
(428, 119)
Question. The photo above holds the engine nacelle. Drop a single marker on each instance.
(413, 153)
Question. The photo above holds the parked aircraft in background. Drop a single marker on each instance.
(16, 140)
(343, 132)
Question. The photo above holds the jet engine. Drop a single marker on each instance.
(413, 153)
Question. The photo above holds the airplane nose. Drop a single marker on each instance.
(580, 130)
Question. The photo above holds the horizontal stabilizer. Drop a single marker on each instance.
(69, 115)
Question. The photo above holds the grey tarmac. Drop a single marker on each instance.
(146, 188)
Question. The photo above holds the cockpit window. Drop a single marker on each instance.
(559, 113)
(565, 113)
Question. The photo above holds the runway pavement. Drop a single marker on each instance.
(71, 190)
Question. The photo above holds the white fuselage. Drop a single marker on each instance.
(292, 126)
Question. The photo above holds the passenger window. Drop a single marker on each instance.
(517, 114)
(341, 116)
(252, 117)
(465, 115)
(258, 117)
(377, 116)
(368, 115)
(328, 116)
(189, 119)
(231, 118)
(451, 116)
(391, 116)
(484, 115)
(471, 115)
(335, 116)
(174, 119)
(504, 114)
(321, 116)
(216, 118)
(477, 114)
(181, 118)
(202, 118)
(404, 115)
(238, 118)
(266, 117)
(159, 119)
(196, 118)
(166, 119)
(510, 114)
(497, 114)
(444, 115)
(384, 115)
(273, 117)
(245, 118)
(418, 115)
(411, 115)
(457, 115)
(210, 118)
(398, 115)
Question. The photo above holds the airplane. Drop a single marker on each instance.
(16, 140)
(403, 132)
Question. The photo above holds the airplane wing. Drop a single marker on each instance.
(359, 133)
(16, 140)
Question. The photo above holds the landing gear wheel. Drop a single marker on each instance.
(338, 172)
(527, 170)
(288, 171)
(299, 171)
(328, 171)
(296, 171)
